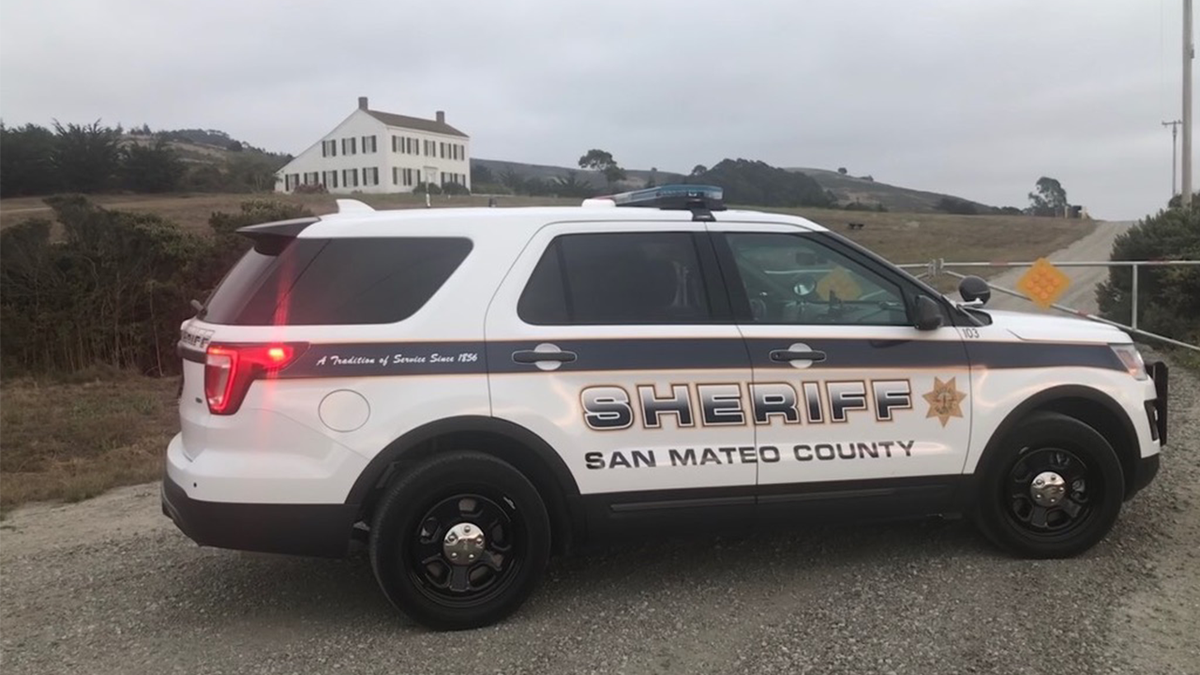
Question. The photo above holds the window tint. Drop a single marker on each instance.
(796, 279)
(617, 278)
(335, 281)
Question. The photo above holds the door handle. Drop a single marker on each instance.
(533, 356)
(786, 355)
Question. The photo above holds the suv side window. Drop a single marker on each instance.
(796, 279)
(617, 278)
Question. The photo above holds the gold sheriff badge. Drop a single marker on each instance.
(945, 401)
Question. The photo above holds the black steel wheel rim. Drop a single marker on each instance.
(452, 583)
(1084, 490)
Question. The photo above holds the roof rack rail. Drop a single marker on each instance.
(701, 200)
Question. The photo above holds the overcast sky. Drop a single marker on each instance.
(976, 98)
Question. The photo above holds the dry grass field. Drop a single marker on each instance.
(74, 439)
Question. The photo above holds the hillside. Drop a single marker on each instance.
(848, 189)
(845, 189)
(548, 173)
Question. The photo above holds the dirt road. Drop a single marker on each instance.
(1081, 294)
(109, 586)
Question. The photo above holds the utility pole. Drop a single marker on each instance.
(1188, 53)
(1174, 149)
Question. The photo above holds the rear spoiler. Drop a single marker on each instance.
(270, 238)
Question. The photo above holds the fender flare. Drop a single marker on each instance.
(398, 450)
(1049, 396)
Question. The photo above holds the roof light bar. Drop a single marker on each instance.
(674, 197)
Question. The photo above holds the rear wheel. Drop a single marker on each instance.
(460, 541)
(1053, 489)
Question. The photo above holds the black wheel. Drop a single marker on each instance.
(460, 541)
(1052, 489)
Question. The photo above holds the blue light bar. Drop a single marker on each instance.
(674, 197)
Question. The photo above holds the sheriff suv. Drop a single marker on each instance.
(467, 391)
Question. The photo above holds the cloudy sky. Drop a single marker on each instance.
(977, 98)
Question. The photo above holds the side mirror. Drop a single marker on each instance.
(974, 288)
(929, 315)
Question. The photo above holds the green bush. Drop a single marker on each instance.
(1168, 297)
(114, 288)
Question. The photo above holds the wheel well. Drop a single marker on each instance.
(1114, 426)
(564, 523)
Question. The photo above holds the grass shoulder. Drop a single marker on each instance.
(75, 437)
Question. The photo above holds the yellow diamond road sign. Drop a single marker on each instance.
(1044, 283)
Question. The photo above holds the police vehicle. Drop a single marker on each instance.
(467, 391)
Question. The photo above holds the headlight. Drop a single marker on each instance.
(1132, 359)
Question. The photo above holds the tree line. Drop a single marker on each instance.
(94, 158)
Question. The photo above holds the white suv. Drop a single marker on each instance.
(469, 390)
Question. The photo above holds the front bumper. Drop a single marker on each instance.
(296, 529)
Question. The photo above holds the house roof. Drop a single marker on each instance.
(406, 122)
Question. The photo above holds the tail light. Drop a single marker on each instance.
(229, 370)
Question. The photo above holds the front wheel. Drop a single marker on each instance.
(1052, 489)
(460, 541)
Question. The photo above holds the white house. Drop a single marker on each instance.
(378, 152)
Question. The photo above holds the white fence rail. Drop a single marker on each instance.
(938, 267)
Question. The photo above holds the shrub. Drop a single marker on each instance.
(1169, 297)
(114, 289)
(310, 189)
(455, 189)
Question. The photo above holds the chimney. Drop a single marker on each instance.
(441, 116)
(362, 102)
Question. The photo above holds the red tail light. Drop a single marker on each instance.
(229, 370)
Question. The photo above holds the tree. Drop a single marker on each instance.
(235, 146)
(698, 170)
(569, 185)
(759, 184)
(1169, 296)
(842, 170)
(25, 161)
(1048, 199)
(602, 161)
(86, 157)
(653, 179)
(154, 168)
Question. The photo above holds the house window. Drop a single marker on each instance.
(350, 177)
(412, 145)
(369, 146)
(334, 177)
(407, 176)
(329, 148)
(349, 146)
(370, 175)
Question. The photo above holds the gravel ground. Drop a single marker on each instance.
(109, 586)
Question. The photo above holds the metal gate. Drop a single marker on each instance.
(938, 266)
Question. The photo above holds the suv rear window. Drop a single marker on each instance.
(309, 282)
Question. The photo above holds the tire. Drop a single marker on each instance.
(1020, 517)
(410, 544)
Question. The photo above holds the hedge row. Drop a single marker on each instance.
(112, 287)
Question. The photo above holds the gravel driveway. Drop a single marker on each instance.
(109, 586)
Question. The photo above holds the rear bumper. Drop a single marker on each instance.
(296, 529)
